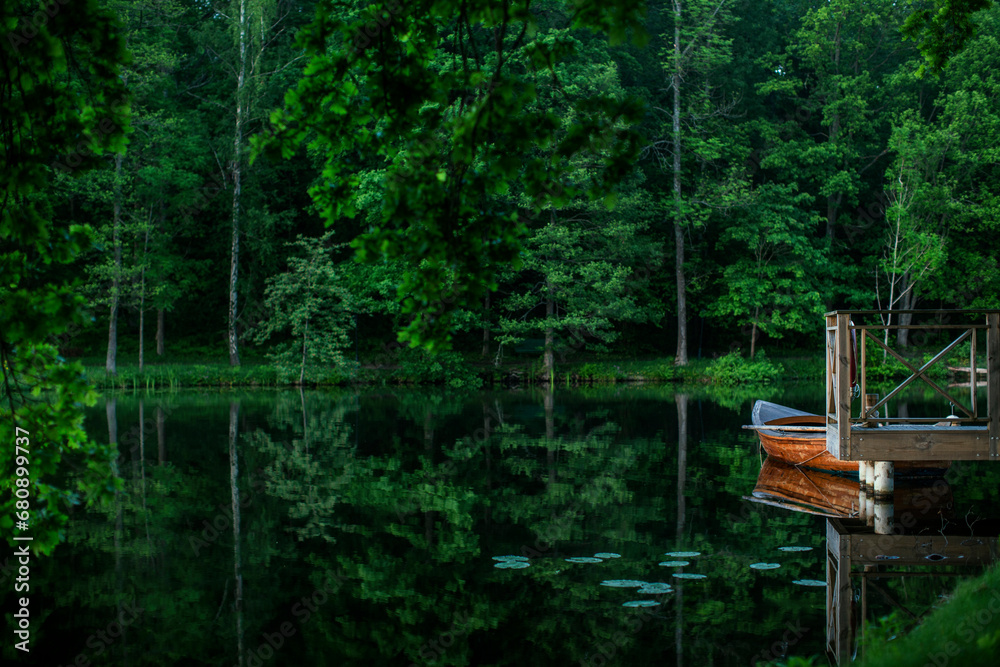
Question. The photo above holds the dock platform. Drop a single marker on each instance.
(970, 433)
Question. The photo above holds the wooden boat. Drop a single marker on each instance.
(808, 447)
(802, 489)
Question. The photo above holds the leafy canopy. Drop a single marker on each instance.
(442, 91)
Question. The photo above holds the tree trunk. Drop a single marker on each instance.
(486, 326)
(234, 354)
(111, 364)
(302, 372)
(159, 332)
(753, 339)
(681, 358)
(907, 301)
(142, 302)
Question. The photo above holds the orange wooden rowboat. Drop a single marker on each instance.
(808, 447)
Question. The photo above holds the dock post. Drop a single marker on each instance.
(883, 484)
(862, 494)
(883, 492)
(869, 486)
(864, 489)
(993, 382)
(870, 414)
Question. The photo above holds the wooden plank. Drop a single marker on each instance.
(923, 549)
(863, 363)
(782, 429)
(935, 327)
(834, 532)
(973, 376)
(916, 444)
(829, 350)
(917, 311)
(993, 380)
(924, 422)
(966, 369)
(843, 368)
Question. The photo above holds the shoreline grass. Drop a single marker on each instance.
(453, 370)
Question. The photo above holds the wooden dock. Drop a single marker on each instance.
(971, 433)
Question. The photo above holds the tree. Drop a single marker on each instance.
(451, 131)
(309, 302)
(942, 182)
(770, 284)
(580, 282)
(942, 27)
(914, 248)
(699, 50)
(246, 15)
(64, 107)
(834, 87)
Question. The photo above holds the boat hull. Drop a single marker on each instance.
(809, 448)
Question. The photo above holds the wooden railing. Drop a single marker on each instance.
(969, 422)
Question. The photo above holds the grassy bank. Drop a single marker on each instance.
(455, 370)
(458, 370)
(963, 632)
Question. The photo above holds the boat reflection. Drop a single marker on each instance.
(923, 533)
(801, 489)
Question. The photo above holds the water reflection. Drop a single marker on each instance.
(926, 540)
(308, 528)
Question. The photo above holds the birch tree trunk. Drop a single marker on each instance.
(237, 165)
(111, 363)
(681, 357)
(142, 301)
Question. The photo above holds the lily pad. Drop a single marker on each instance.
(517, 558)
(795, 548)
(607, 554)
(682, 554)
(623, 583)
(688, 575)
(809, 582)
(512, 565)
(765, 566)
(641, 603)
(656, 589)
(674, 563)
(584, 559)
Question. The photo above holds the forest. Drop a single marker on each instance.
(325, 188)
(673, 179)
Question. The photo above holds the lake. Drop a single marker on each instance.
(420, 526)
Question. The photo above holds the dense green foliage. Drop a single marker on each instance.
(507, 174)
(553, 178)
(62, 107)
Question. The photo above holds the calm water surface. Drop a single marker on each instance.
(366, 530)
